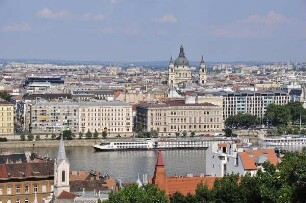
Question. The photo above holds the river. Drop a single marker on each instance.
(126, 165)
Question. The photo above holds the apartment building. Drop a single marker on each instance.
(254, 103)
(114, 117)
(6, 118)
(52, 117)
(174, 116)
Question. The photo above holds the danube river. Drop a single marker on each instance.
(126, 165)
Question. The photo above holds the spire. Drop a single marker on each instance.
(182, 54)
(171, 61)
(160, 159)
(61, 155)
(202, 59)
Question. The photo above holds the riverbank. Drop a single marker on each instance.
(47, 143)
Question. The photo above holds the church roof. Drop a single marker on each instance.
(61, 155)
(181, 60)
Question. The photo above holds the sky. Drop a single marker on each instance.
(153, 30)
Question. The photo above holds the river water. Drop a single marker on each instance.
(126, 165)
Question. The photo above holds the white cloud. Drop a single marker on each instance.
(169, 18)
(254, 26)
(18, 27)
(270, 18)
(52, 15)
(94, 17)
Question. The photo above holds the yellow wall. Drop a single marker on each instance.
(6, 119)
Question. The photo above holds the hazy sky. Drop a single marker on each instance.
(148, 30)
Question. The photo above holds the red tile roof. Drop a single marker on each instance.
(66, 195)
(248, 157)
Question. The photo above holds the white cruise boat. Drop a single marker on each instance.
(150, 144)
(284, 141)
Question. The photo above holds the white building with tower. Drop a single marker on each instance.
(180, 72)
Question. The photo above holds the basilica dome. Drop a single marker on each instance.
(181, 60)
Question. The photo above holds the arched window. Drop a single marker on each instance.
(63, 176)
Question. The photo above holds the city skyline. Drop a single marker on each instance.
(153, 30)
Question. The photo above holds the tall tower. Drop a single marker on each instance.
(202, 72)
(61, 171)
(171, 79)
(159, 177)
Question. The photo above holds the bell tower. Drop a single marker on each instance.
(171, 79)
(202, 72)
(61, 171)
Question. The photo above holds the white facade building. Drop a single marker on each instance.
(228, 158)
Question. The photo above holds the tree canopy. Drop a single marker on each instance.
(241, 121)
(6, 96)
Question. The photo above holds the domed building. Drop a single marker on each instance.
(181, 73)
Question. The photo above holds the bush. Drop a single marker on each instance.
(80, 135)
(30, 137)
(53, 136)
(3, 139)
(88, 134)
(22, 137)
(37, 138)
(96, 134)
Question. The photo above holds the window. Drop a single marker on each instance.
(26, 189)
(35, 188)
(8, 190)
(18, 189)
(44, 188)
(63, 176)
(26, 201)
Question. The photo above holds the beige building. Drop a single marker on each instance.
(175, 116)
(113, 117)
(6, 118)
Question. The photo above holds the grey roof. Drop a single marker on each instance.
(61, 155)
(181, 60)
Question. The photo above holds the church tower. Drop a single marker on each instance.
(171, 73)
(61, 171)
(202, 72)
(179, 70)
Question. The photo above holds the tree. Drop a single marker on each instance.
(37, 138)
(184, 133)
(177, 197)
(30, 137)
(104, 134)
(133, 194)
(192, 134)
(228, 132)
(177, 134)
(6, 96)
(67, 135)
(88, 134)
(53, 136)
(203, 193)
(80, 135)
(278, 114)
(297, 112)
(96, 134)
(154, 133)
(241, 120)
(22, 137)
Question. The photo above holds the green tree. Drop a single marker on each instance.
(6, 96)
(37, 138)
(228, 132)
(104, 134)
(88, 134)
(177, 197)
(203, 194)
(184, 133)
(22, 137)
(241, 120)
(177, 134)
(133, 194)
(30, 137)
(154, 133)
(192, 133)
(53, 136)
(68, 135)
(297, 111)
(80, 135)
(278, 114)
(96, 134)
